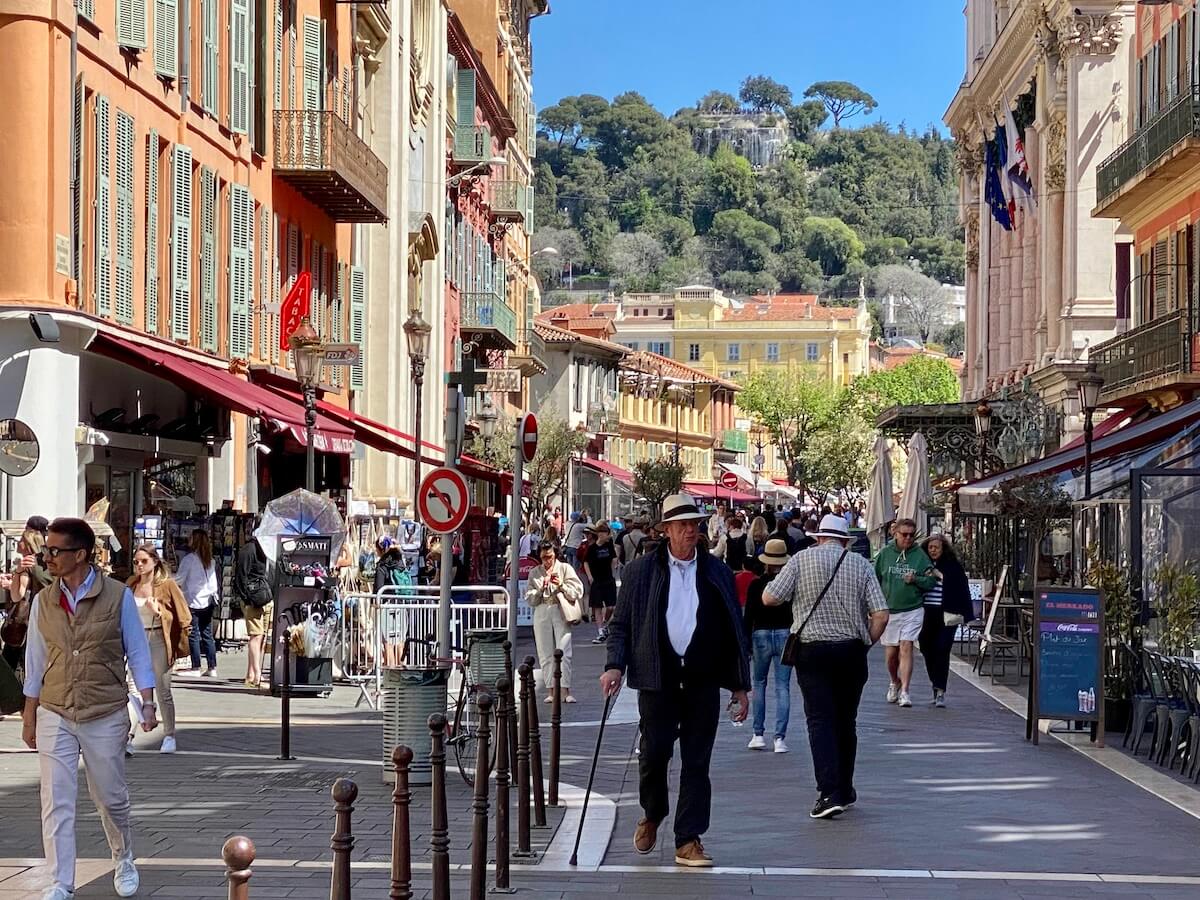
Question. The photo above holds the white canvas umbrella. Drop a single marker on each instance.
(917, 489)
(881, 509)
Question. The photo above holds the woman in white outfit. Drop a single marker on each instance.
(552, 584)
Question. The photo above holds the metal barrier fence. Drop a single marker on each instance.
(398, 627)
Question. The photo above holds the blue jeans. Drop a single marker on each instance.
(202, 634)
(768, 647)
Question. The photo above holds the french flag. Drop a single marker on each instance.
(1016, 166)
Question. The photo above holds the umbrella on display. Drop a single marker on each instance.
(881, 508)
(917, 489)
(298, 513)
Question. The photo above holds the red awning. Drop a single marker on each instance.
(379, 436)
(225, 389)
(1119, 419)
(706, 490)
(606, 468)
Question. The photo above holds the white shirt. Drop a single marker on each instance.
(133, 636)
(683, 602)
(199, 585)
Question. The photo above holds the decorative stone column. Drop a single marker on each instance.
(1054, 143)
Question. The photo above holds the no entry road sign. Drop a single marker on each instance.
(443, 500)
(729, 480)
(528, 436)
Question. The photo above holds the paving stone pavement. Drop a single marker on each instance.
(953, 804)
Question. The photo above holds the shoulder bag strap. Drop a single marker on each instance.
(824, 591)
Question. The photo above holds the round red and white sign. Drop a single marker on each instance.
(443, 500)
(729, 480)
(529, 436)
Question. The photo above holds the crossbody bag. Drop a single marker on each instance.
(791, 648)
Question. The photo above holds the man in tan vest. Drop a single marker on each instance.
(83, 629)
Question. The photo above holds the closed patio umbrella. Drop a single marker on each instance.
(917, 488)
(881, 509)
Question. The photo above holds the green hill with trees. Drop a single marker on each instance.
(629, 202)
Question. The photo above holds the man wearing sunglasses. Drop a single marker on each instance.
(84, 629)
(904, 571)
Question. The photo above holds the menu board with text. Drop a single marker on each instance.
(1068, 657)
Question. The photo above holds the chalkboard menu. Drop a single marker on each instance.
(1068, 657)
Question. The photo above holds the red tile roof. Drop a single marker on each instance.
(557, 335)
(775, 311)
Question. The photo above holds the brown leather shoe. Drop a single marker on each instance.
(645, 836)
(692, 854)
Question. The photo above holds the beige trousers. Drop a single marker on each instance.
(101, 742)
(550, 633)
(162, 686)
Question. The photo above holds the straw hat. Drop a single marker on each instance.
(680, 508)
(775, 553)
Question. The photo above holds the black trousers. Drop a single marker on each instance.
(936, 643)
(832, 675)
(689, 714)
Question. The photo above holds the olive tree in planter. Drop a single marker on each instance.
(1177, 604)
(1120, 623)
(1038, 503)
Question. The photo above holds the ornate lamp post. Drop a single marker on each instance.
(716, 477)
(1090, 384)
(417, 330)
(488, 419)
(307, 350)
(983, 425)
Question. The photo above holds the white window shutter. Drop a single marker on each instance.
(314, 63)
(241, 269)
(264, 289)
(102, 211)
(208, 259)
(291, 70)
(166, 38)
(276, 294)
(181, 243)
(87, 9)
(358, 325)
(124, 220)
(315, 258)
(346, 98)
(239, 68)
(151, 293)
(532, 136)
(278, 62)
(337, 373)
(131, 23)
(501, 282)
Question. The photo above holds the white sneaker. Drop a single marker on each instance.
(893, 693)
(57, 892)
(781, 745)
(125, 879)
(168, 744)
(939, 699)
(904, 699)
(209, 673)
(757, 743)
(129, 747)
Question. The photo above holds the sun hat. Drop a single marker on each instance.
(834, 527)
(680, 508)
(775, 553)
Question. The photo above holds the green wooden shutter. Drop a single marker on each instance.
(501, 280)
(166, 38)
(336, 334)
(124, 220)
(464, 98)
(102, 210)
(314, 63)
(210, 61)
(87, 9)
(181, 243)
(358, 325)
(239, 68)
(278, 60)
(291, 69)
(78, 103)
(131, 23)
(241, 269)
(152, 232)
(264, 288)
(532, 136)
(208, 259)
(276, 293)
(529, 209)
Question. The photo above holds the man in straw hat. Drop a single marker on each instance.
(838, 612)
(677, 634)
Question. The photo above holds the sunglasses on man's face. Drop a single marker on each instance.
(906, 534)
(53, 552)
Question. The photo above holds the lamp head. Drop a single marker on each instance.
(1090, 384)
(488, 419)
(983, 418)
(417, 330)
(305, 345)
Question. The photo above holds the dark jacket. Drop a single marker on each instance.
(251, 582)
(388, 568)
(634, 644)
(956, 590)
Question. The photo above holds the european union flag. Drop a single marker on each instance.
(993, 189)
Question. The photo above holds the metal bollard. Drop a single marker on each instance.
(479, 837)
(524, 849)
(439, 835)
(513, 714)
(238, 854)
(344, 793)
(535, 754)
(503, 712)
(555, 730)
(401, 888)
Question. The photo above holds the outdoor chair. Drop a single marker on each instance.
(1142, 700)
(1191, 750)
(1164, 703)
(1179, 710)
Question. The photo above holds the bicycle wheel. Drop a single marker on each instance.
(466, 740)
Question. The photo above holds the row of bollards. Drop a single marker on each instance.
(516, 734)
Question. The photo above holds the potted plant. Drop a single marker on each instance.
(1177, 601)
(1120, 616)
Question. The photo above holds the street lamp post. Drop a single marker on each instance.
(716, 477)
(306, 348)
(417, 330)
(983, 424)
(1090, 384)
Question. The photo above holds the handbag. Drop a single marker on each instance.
(572, 610)
(12, 696)
(791, 648)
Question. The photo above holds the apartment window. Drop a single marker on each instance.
(662, 348)
(733, 352)
(577, 387)
(772, 352)
(693, 353)
(632, 345)
(812, 352)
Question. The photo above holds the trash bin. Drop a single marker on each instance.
(487, 656)
(410, 697)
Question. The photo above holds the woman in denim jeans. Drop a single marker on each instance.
(768, 628)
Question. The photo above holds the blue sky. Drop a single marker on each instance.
(907, 53)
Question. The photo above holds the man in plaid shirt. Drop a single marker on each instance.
(831, 665)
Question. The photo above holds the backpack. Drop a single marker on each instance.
(398, 576)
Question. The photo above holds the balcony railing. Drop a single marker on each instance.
(318, 155)
(487, 310)
(509, 199)
(1150, 144)
(1149, 356)
(472, 143)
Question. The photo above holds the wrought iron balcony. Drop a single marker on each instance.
(530, 355)
(1155, 356)
(472, 144)
(509, 200)
(322, 158)
(486, 315)
(1160, 151)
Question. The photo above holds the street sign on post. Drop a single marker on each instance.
(527, 436)
(443, 500)
(729, 480)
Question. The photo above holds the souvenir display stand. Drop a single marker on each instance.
(305, 624)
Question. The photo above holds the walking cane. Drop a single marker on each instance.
(591, 777)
